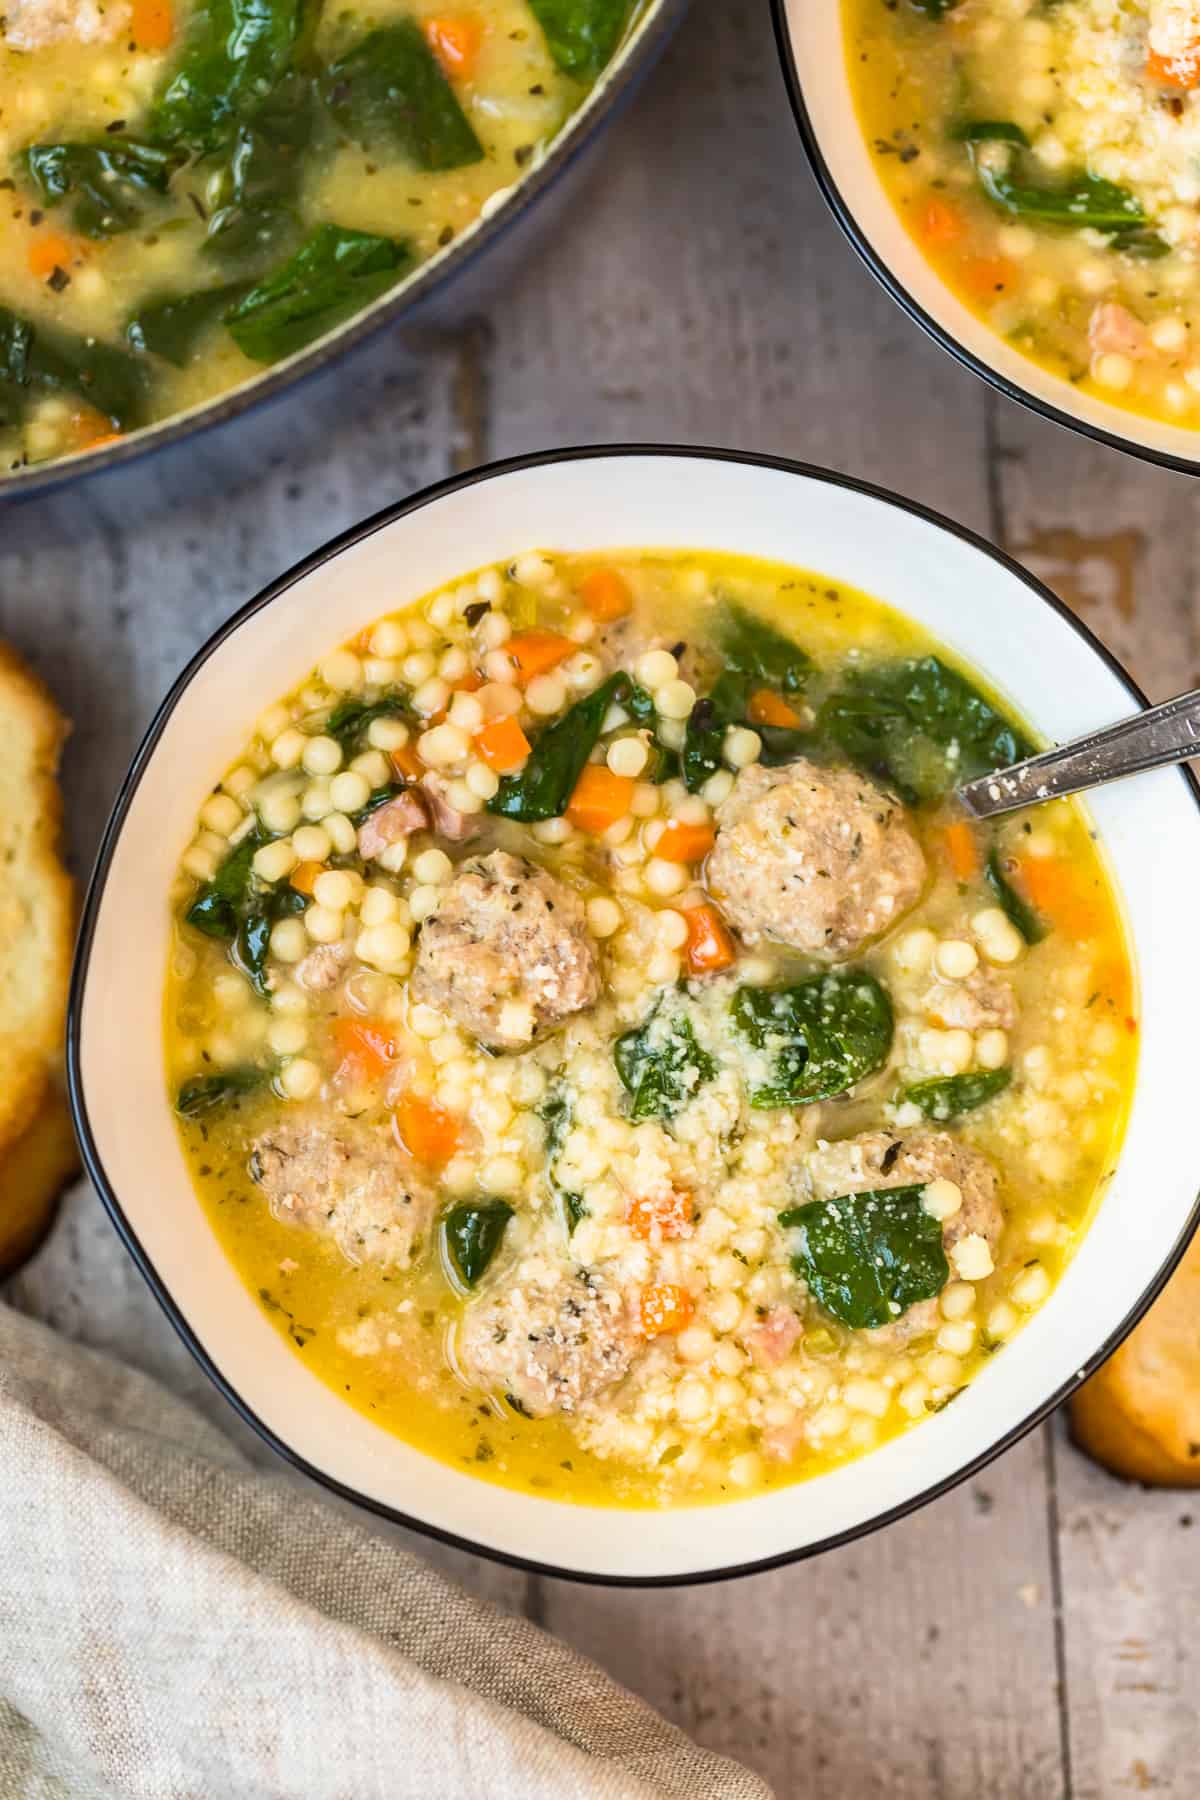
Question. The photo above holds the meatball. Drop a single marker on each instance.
(878, 1160)
(351, 1182)
(553, 1339)
(821, 859)
(979, 1003)
(507, 952)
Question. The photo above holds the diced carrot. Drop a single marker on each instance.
(941, 223)
(367, 1044)
(407, 763)
(1179, 70)
(361, 645)
(709, 945)
(766, 708)
(502, 745)
(105, 437)
(600, 799)
(1053, 886)
(90, 429)
(659, 1216)
(152, 25)
(52, 250)
(455, 40)
(684, 843)
(985, 276)
(962, 851)
(428, 1131)
(606, 595)
(537, 652)
(304, 876)
(665, 1308)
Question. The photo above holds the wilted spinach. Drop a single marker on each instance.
(391, 85)
(35, 360)
(920, 726)
(581, 35)
(661, 1064)
(547, 781)
(557, 1113)
(1018, 911)
(171, 325)
(207, 1092)
(333, 274)
(868, 1257)
(349, 719)
(954, 1095)
(822, 1036)
(473, 1233)
(110, 180)
(218, 906)
(235, 51)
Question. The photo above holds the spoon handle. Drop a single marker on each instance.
(1169, 733)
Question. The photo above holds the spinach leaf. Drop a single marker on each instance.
(957, 1094)
(823, 1035)
(252, 940)
(1081, 200)
(334, 274)
(751, 646)
(110, 380)
(218, 906)
(350, 718)
(544, 786)
(557, 1113)
(868, 1257)
(1018, 911)
(782, 744)
(391, 85)
(661, 1065)
(581, 35)
(236, 51)
(207, 1092)
(110, 180)
(255, 217)
(919, 725)
(171, 325)
(989, 131)
(473, 1233)
(710, 719)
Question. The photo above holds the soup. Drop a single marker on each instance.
(192, 192)
(604, 1051)
(1045, 155)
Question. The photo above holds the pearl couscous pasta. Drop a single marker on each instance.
(1045, 155)
(190, 192)
(604, 1051)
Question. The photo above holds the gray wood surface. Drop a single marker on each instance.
(1034, 1633)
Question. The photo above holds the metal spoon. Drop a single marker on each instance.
(1164, 734)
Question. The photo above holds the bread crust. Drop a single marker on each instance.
(33, 1173)
(37, 898)
(1140, 1414)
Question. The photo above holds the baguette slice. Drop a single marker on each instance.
(33, 1173)
(36, 896)
(1140, 1414)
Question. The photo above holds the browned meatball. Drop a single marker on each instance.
(349, 1181)
(879, 1159)
(821, 859)
(507, 953)
(553, 1339)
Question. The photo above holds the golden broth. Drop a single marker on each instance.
(387, 1339)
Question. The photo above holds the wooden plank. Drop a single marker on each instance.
(1115, 538)
(701, 293)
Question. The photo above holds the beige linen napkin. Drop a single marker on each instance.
(178, 1625)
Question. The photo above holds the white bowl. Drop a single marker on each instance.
(967, 594)
(811, 42)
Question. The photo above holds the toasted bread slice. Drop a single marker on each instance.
(36, 895)
(1140, 1414)
(33, 1172)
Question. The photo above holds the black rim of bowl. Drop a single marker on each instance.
(865, 249)
(611, 93)
(79, 975)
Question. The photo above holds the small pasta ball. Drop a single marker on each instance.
(379, 905)
(389, 638)
(279, 812)
(274, 861)
(288, 748)
(955, 958)
(432, 867)
(289, 940)
(628, 756)
(323, 924)
(221, 813)
(546, 695)
(387, 734)
(604, 916)
(336, 889)
(675, 699)
(349, 791)
(374, 765)
(300, 1079)
(342, 672)
(656, 668)
(741, 747)
(287, 1036)
(322, 755)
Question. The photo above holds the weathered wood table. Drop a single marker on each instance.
(1034, 1633)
